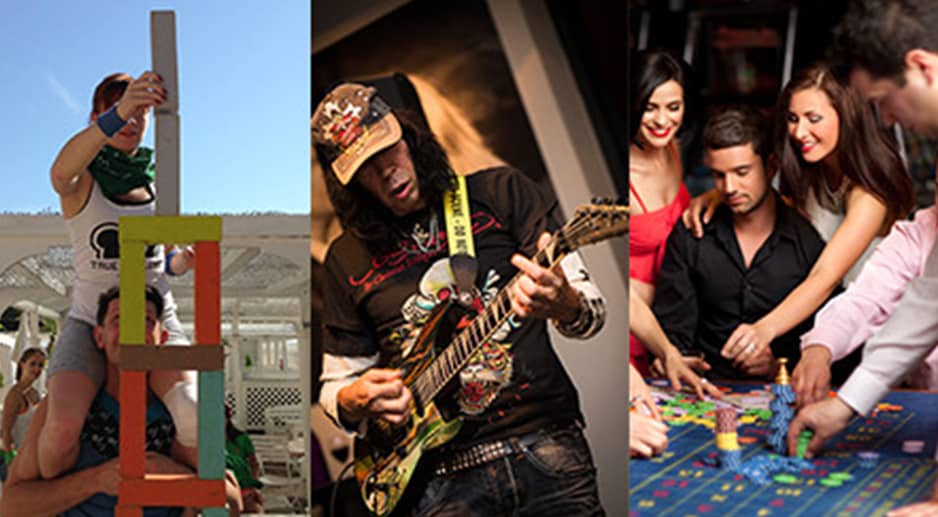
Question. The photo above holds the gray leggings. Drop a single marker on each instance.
(76, 351)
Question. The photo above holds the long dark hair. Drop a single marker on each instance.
(365, 216)
(26, 356)
(650, 69)
(867, 157)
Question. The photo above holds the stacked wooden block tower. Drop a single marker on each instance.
(137, 489)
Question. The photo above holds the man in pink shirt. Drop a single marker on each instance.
(848, 320)
(889, 49)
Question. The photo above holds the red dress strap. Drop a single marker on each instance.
(637, 197)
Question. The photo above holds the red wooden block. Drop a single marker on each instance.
(173, 490)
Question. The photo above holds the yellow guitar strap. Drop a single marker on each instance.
(458, 222)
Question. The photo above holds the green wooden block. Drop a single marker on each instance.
(211, 424)
(170, 229)
(132, 301)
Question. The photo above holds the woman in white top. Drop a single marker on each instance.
(101, 174)
(20, 402)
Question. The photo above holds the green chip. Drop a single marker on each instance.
(802, 449)
(787, 479)
(840, 476)
(832, 483)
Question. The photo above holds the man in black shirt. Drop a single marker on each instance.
(521, 449)
(754, 251)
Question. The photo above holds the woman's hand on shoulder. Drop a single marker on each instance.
(706, 203)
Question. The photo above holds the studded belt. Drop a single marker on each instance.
(458, 460)
(476, 455)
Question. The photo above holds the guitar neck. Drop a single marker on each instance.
(482, 327)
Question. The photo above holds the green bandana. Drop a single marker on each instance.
(118, 172)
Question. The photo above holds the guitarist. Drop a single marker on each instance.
(521, 448)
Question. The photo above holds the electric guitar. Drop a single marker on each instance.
(387, 458)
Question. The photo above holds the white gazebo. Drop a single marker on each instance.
(265, 301)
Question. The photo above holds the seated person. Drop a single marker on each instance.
(241, 460)
(90, 488)
(754, 251)
(853, 317)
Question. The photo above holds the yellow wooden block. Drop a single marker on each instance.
(169, 229)
(132, 300)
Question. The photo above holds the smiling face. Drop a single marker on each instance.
(31, 367)
(391, 178)
(663, 114)
(813, 124)
(739, 177)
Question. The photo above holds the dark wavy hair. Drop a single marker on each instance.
(366, 217)
(867, 157)
(649, 70)
(150, 295)
(876, 35)
(26, 356)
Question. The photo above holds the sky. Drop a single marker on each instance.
(243, 95)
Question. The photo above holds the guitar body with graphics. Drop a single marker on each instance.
(387, 459)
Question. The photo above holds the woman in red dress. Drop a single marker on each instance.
(658, 197)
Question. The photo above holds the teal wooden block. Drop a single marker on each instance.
(215, 512)
(211, 424)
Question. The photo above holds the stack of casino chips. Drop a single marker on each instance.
(781, 409)
(727, 444)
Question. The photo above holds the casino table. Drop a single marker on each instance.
(684, 482)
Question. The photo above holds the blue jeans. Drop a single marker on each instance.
(554, 475)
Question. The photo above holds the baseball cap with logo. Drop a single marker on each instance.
(352, 124)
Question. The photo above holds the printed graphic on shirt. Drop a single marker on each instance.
(106, 246)
(102, 429)
(490, 368)
(419, 249)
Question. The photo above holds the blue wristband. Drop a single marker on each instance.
(110, 122)
(169, 259)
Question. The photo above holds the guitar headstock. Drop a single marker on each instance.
(600, 220)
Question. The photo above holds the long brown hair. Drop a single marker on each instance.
(867, 157)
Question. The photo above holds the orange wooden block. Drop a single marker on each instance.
(178, 490)
(207, 293)
(133, 421)
(123, 510)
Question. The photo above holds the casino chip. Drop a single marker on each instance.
(868, 459)
(804, 438)
(913, 446)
